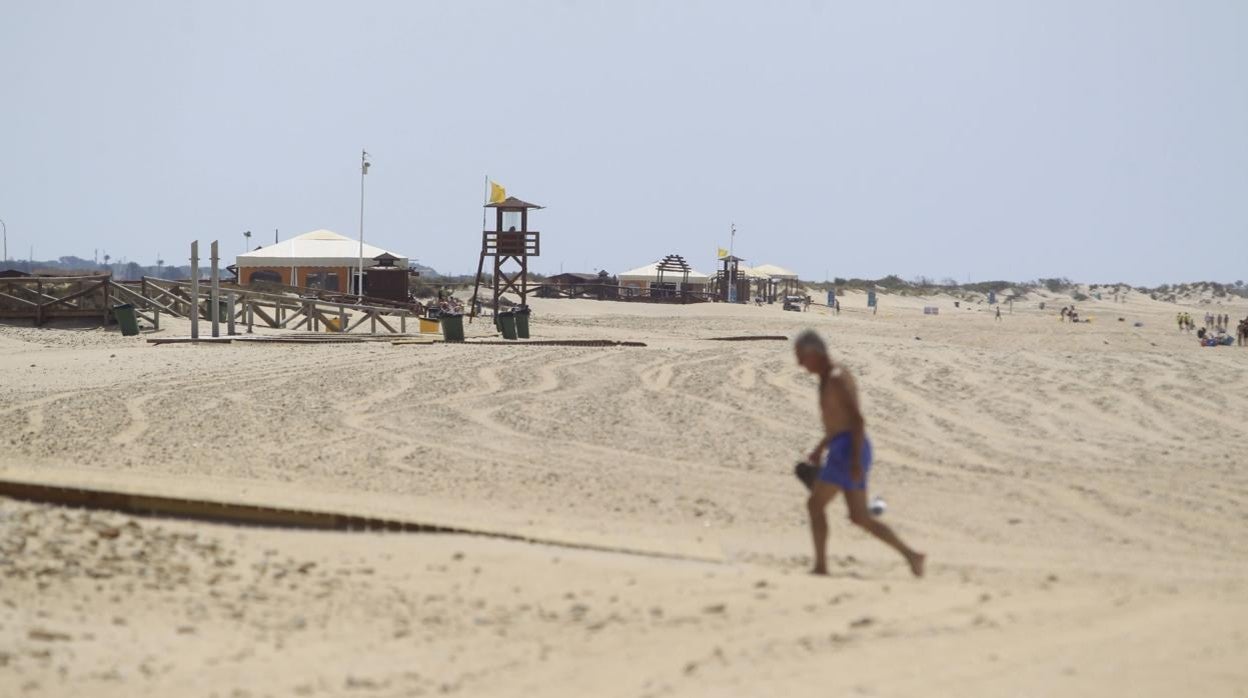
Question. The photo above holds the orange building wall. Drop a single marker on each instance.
(301, 275)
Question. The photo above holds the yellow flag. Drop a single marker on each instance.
(497, 193)
(722, 253)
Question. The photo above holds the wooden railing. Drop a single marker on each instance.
(246, 307)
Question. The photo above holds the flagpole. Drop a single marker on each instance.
(476, 286)
(485, 200)
(363, 171)
(732, 241)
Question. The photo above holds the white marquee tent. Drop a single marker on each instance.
(772, 271)
(650, 274)
(319, 248)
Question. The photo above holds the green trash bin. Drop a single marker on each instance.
(522, 322)
(452, 327)
(126, 319)
(507, 324)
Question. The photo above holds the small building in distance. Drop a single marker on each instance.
(654, 280)
(774, 281)
(574, 278)
(600, 285)
(321, 259)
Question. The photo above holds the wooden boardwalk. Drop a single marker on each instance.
(43, 298)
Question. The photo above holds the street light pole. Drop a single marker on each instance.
(6, 239)
(364, 165)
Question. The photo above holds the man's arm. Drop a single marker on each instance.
(817, 454)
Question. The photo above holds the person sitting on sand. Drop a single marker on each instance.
(1063, 313)
(848, 455)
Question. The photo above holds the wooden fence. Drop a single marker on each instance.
(44, 298)
(247, 307)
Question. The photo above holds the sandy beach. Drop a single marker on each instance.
(1080, 490)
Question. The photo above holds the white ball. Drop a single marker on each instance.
(878, 506)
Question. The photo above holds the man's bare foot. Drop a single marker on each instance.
(917, 560)
(821, 570)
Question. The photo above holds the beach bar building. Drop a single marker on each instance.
(774, 281)
(662, 278)
(321, 259)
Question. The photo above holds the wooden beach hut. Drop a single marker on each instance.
(661, 278)
(321, 259)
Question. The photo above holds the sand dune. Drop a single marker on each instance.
(1080, 489)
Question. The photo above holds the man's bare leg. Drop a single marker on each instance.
(856, 501)
(820, 496)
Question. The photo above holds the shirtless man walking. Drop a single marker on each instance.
(848, 455)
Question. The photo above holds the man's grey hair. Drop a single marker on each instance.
(809, 341)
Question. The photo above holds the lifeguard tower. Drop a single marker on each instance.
(732, 285)
(510, 244)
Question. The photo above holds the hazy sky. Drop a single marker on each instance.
(1102, 141)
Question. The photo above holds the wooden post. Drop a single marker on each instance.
(229, 296)
(342, 319)
(214, 293)
(250, 313)
(156, 319)
(194, 290)
(403, 323)
(372, 316)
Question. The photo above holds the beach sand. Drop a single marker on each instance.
(1081, 491)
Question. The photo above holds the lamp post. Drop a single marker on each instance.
(246, 240)
(364, 165)
(6, 239)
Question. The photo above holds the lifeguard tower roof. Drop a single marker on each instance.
(512, 202)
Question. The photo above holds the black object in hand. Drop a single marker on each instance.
(806, 473)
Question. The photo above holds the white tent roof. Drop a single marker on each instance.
(319, 248)
(771, 271)
(650, 273)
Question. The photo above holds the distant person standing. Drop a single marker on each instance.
(848, 459)
(998, 313)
